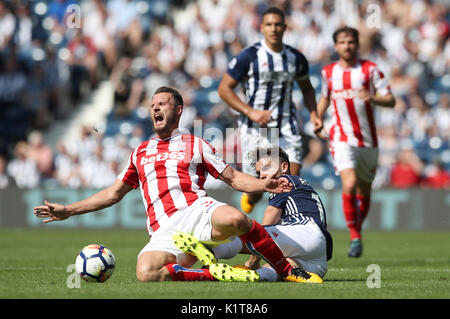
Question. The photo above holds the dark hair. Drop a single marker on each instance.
(275, 151)
(273, 10)
(175, 94)
(346, 29)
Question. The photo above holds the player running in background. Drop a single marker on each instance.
(353, 87)
(267, 71)
(170, 171)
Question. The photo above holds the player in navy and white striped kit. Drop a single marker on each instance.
(295, 220)
(267, 71)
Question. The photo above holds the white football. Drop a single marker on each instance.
(95, 263)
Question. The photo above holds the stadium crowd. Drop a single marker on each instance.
(54, 54)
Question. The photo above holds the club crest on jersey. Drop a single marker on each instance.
(175, 155)
(151, 149)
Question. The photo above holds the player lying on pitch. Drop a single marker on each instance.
(295, 220)
(170, 171)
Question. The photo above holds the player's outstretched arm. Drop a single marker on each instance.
(102, 199)
(246, 183)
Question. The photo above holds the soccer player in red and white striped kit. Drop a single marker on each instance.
(170, 171)
(353, 86)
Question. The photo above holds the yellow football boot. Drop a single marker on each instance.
(300, 275)
(246, 206)
(191, 245)
(224, 272)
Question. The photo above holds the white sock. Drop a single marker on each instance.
(228, 250)
(267, 274)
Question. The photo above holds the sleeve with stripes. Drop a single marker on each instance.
(212, 160)
(278, 200)
(238, 66)
(325, 90)
(380, 82)
(129, 174)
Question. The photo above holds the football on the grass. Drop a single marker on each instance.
(95, 263)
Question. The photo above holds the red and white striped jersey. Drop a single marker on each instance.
(170, 174)
(353, 120)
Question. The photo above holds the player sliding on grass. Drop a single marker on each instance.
(295, 220)
(170, 171)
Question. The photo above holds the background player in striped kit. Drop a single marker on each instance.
(267, 71)
(353, 87)
(170, 171)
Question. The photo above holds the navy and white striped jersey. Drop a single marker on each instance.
(267, 78)
(300, 206)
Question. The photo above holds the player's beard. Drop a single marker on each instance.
(349, 55)
(170, 123)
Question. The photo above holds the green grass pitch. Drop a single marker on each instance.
(33, 264)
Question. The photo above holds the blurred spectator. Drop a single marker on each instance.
(5, 179)
(314, 44)
(13, 82)
(24, 29)
(418, 118)
(116, 149)
(98, 172)
(47, 68)
(95, 18)
(124, 23)
(128, 87)
(432, 30)
(388, 141)
(41, 153)
(83, 147)
(407, 170)
(23, 168)
(436, 176)
(83, 62)
(36, 97)
(67, 168)
(7, 25)
(441, 116)
(57, 77)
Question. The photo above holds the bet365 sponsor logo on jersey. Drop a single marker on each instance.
(344, 94)
(175, 155)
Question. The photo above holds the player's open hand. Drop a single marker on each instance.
(277, 185)
(51, 211)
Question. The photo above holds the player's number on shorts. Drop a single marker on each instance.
(320, 207)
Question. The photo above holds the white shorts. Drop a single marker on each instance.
(305, 244)
(252, 138)
(195, 220)
(363, 159)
